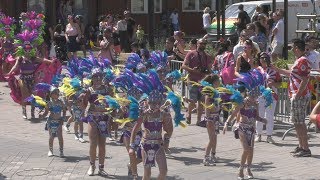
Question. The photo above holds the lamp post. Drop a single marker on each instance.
(151, 23)
(285, 55)
(223, 16)
(218, 19)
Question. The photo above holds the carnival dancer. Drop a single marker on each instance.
(98, 120)
(153, 122)
(7, 28)
(55, 121)
(124, 85)
(75, 96)
(159, 61)
(212, 115)
(248, 113)
(55, 107)
(273, 80)
(27, 63)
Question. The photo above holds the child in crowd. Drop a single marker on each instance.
(55, 121)
(212, 114)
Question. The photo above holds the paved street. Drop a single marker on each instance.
(24, 147)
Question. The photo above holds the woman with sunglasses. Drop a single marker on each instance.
(272, 81)
(98, 121)
(245, 61)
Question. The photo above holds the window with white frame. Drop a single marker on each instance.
(141, 6)
(197, 5)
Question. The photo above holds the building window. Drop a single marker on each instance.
(78, 4)
(37, 5)
(141, 6)
(157, 6)
(197, 5)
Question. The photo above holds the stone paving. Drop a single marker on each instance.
(24, 147)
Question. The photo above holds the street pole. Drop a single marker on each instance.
(218, 19)
(285, 29)
(274, 5)
(223, 13)
(151, 23)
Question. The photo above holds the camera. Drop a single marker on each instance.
(203, 70)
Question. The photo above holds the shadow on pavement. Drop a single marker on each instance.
(140, 177)
(224, 160)
(75, 159)
(36, 120)
(177, 150)
(187, 160)
(315, 156)
(262, 166)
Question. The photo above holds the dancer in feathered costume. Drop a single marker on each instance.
(55, 107)
(212, 107)
(27, 63)
(7, 28)
(159, 61)
(153, 123)
(98, 120)
(248, 113)
(75, 96)
(127, 114)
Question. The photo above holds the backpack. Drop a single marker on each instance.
(248, 19)
(227, 72)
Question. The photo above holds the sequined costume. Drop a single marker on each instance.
(55, 108)
(100, 119)
(153, 142)
(247, 126)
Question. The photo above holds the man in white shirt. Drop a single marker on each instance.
(313, 56)
(278, 37)
(175, 20)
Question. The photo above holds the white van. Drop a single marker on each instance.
(304, 7)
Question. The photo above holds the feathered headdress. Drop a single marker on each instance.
(36, 25)
(254, 81)
(26, 42)
(159, 60)
(153, 87)
(133, 61)
(7, 26)
(71, 86)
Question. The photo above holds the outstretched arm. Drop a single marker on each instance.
(231, 117)
(315, 112)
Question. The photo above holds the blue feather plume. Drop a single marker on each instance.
(175, 75)
(112, 103)
(267, 94)
(176, 106)
(133, 108)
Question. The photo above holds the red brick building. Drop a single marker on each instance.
(190, 11)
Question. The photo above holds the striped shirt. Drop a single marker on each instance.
(300, 69)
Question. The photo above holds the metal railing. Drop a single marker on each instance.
(282, 112)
